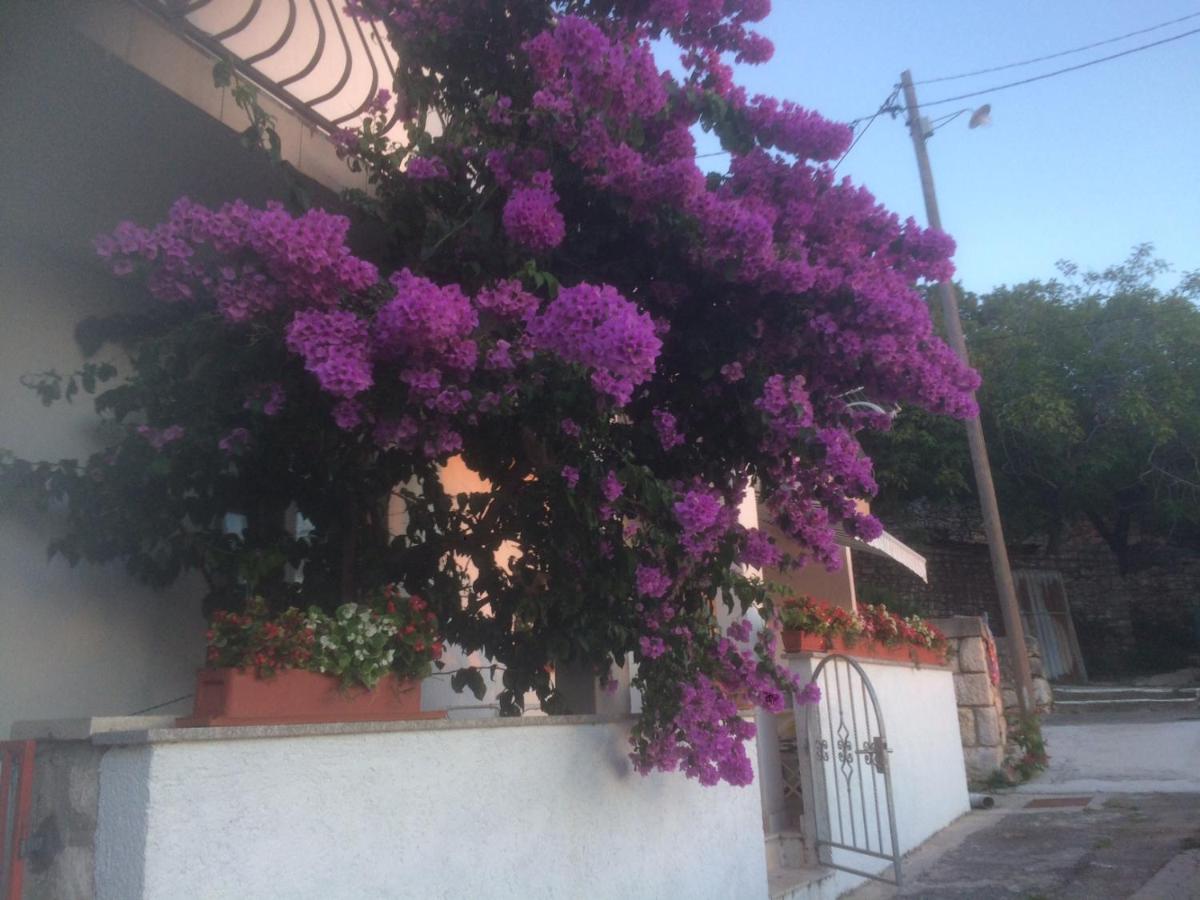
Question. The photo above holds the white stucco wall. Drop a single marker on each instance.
(73, 641)
(509, 808)
(929, 784)
(88, 141)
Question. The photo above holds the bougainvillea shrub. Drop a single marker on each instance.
(619, 343)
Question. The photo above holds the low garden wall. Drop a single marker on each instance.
(536, 807)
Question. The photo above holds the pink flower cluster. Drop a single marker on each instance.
(335, 347)
(425, 338)
(704, 519)
(706, 738)
(161, 437)
(299, 260)
(531, 217)
(594, 326)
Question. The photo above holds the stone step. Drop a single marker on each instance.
(1165, 704)
(1120, 693)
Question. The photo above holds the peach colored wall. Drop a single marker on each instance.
(837, 587)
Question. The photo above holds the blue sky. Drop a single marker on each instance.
(1081, 166)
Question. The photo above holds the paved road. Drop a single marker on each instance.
(1137, 836)
(1116, 848)
(1120, 754)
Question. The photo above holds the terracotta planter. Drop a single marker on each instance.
(296, 697)
(803, 642)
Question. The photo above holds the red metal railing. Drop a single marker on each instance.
(16, 798)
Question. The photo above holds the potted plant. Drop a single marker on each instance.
(363, 662)
(815, 626)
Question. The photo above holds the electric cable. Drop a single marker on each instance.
(1045, 75)
(1038, 59)
(886, 105)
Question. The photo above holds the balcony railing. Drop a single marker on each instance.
(310, 54)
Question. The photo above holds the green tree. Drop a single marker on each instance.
(1091, 408)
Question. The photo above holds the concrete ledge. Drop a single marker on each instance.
(85, 729)
(869, 660)
(172, 735)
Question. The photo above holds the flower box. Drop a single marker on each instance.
(804, 642)
(298, 697)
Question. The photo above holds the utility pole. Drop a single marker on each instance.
(1009, 609)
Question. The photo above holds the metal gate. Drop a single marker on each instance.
(16, 798)
(854, 817)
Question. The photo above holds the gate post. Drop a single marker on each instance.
(16, 798)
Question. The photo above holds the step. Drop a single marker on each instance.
(1112, 694)
(1162, 704)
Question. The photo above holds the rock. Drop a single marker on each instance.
(966, 725)
(988, 728)
(971, 655)
(973, 689)
(982, 761)
(954, 627)
(1043, 696)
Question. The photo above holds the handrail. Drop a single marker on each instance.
(328, 107)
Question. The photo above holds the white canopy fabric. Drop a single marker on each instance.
(890, 546)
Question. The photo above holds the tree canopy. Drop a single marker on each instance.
(1090, 404)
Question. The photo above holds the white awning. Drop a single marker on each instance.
(890, 546)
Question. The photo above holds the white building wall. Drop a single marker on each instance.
(79, 641)
(929, 783)
(87, 141)
(536, 808)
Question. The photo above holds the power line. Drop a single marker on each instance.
(1038, 59)
(887, 104)
(1042, 77)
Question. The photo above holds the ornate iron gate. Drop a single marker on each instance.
(851, 774)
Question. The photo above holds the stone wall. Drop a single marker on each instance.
(1145, 620)
(981, 721)
(983, 689)
(1043, 694)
